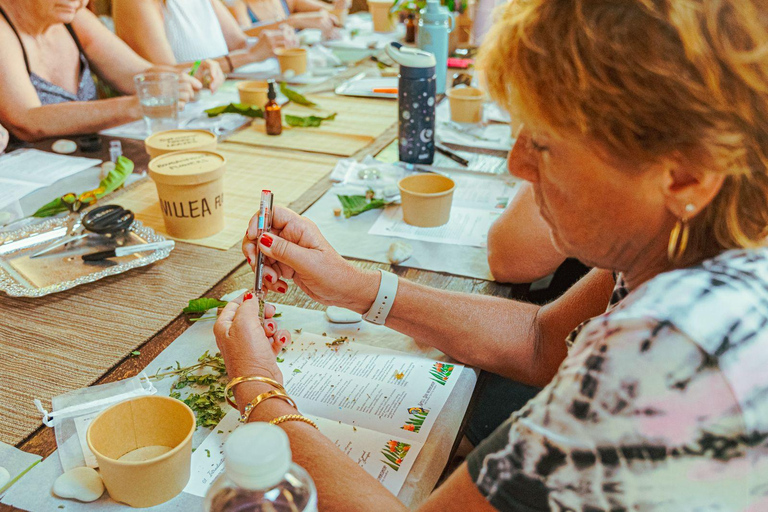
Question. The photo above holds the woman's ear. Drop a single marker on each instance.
(688, 184)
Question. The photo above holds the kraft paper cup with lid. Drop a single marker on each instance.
(253, 92)
(426, 199)
(292, 59)
(144, 449)
(380, 13)
(168, 141)
(466, 104)
(190, 187)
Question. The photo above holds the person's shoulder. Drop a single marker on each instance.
(719, 303)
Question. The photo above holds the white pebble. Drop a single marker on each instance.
(338, 315)
(82, 484)
(5, 477)
(64, 146)
(399, 252)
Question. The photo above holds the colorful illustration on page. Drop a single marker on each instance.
(395, 452)
(440, 372)
(418, 416)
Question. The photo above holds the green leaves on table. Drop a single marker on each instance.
(295, 97)
(203, 304)
(355, 205)
(307, 122)
(236, 108)
(71, 202)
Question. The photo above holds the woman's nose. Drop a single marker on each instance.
(523, 161)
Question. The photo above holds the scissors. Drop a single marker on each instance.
(109, 219)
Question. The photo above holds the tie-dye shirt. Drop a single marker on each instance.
(661, 404)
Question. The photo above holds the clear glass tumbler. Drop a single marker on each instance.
(159, 97)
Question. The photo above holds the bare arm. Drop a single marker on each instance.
(308, 5)
(140, 24)
(24, 116)
(233, 34)
(519, 247)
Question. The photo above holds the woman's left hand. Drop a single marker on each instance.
(210, 74)
(246, 346)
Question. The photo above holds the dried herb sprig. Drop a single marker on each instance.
(209, 375)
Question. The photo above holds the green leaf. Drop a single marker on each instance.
(135, 353)
(55, 207)
(277, 315)
(202, 305)
(296, 371)
(307, 122)
(280, 359)
(355, 205)
(236, 108)
(115, 178)
(294, 96)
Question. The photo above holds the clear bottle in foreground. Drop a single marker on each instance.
(259, 475)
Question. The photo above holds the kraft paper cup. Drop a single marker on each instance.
(144, 449)
(382, 19)
(253, 92)
(426, 199)
(190, 187)
(292, 59)
(169, 141)
(466, 104)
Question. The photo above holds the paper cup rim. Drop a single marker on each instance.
(250, 85)
(173, 451)
(205, 177)
(180, 130)
(454, 96)
(425, 194)
(290, 52)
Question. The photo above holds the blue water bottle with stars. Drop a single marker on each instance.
(416, 98)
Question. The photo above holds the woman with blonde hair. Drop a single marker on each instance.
(646, 146)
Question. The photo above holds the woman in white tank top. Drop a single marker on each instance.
(168, 32)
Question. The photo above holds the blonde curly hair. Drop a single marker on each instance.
(644, 79)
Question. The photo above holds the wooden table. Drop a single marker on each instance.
(42, 441)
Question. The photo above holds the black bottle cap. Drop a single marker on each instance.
(271, 94)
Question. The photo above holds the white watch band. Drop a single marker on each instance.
(384, 299)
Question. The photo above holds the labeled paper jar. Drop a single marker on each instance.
(253, 92)
(162, 143)
(292, 59)
(190, 187)
(144, 449)
(426, 199)
(466, 104)
(383, 21)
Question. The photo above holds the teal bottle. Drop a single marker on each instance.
(435, 24)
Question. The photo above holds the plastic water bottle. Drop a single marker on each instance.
(416, 101)
(259, 475)
(435, 24)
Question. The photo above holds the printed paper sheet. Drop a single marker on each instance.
(377, 405)
(249, 170)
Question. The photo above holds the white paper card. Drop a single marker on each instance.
(81, 425)
(41, 167)
(467, 226)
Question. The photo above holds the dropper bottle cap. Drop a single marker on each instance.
(271, 94)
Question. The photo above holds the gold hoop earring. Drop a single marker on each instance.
(678, 238)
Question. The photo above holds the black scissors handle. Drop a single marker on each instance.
(109, 218)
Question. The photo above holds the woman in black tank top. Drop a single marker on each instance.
(49, 50)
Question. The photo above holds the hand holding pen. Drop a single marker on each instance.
(265, 225)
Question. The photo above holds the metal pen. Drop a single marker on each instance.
(265, 225)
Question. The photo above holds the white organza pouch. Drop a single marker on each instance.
(72, 413)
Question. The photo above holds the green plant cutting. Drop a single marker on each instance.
(72, 202)
(307, 122)
(355, 205)
(295, 97)
(236, 108)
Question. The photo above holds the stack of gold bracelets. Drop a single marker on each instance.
(278, 392)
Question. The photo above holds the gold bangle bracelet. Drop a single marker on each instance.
(293, 417)
(254, 378)
(275, 393)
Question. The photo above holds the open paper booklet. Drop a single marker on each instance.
(377, 405)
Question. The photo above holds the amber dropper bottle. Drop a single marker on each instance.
(272, 114)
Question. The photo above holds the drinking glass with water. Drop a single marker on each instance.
(159, 97)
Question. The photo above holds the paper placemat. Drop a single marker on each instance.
(359, 121)
(31, 492)
(16, 462)
(249, 170)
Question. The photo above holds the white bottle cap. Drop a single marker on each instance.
(257, 456)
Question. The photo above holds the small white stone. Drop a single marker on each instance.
(399, 252)
(64, 146)
(338, 315)
(5, 477)
(82, 484)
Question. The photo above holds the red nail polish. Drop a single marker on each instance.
(282, 289)
(268, 277)
(247, 296)
(266, 240)
(249, 260)
(282, 339)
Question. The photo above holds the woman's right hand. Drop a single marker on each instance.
(322, 19)
(270, 40)
(295, 249)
